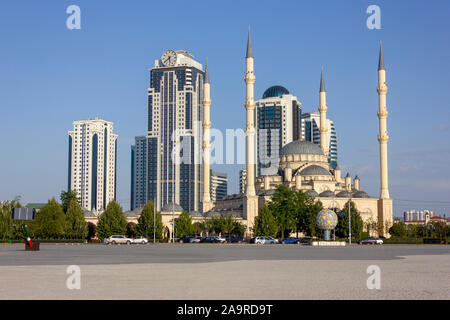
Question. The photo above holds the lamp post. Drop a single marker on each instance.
(154, 221)
(349, 219)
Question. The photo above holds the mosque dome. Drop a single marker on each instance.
(275, 91)
(169, 206)
(327, 194)
(301, 147)
(315, 170)
(343, 194)
(311, 193)
(195, 214)
(360, 194)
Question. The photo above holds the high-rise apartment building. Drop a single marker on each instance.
(218, 185)
(92, 163)
(174, 128)
(310, 132)
(278, 116)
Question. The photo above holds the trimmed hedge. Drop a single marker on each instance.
(46, 241)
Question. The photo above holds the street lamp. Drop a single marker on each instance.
(349, 219)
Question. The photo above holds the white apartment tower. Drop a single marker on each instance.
(92, 163)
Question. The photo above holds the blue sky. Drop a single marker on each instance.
(51, 76)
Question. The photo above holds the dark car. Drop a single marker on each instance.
(212, 239)
(233, 238)
(305, 240)
(290, 240)
(190, 239)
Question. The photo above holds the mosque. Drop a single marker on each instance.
(302, 165)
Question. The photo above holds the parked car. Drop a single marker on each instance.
(117, 239)
(212, 239)
(140, 240)
(290, 240)
(191, 238)
(305, 240)
(265, 240)
(370, 240)
(237, 239)
(233, 238)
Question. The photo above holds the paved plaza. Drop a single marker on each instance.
(208, 271)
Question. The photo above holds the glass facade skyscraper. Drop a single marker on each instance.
(174, 133)
(278, 116)
(310, 132)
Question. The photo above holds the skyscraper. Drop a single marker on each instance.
(139, 173)
(174, 133)
(311, 132)
(278, 123)
(92, 163)
(218, 185)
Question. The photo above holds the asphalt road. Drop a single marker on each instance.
(225, 272)
(51, 254)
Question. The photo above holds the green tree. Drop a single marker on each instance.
(265, 223)
(199, 227)
(357, 223)
(131, 230)
(228, 225)
(238, 228)
(76, 225)
(145, 225)
(398, 229)
(215, 225)
(50, 221)
(415, 230)
(283, 208)
(184, 225)
(66, 197)
(306, 209)
(112, 221)
(92, 230)
(6, 221)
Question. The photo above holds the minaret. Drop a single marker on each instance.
(250, 126)
(250, 197)
(323, 116)
(206, 199)
(383, 136)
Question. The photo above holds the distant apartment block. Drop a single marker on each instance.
(242, 180)
(218, 185)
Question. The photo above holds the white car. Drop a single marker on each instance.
(141, 240)
(371, 240)
(116, 239)
(265, 240)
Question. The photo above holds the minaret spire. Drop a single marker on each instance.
(323, 116)
(322, 83)
(381, 59)
(206, 72)
(383, 137)
(249, 45)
